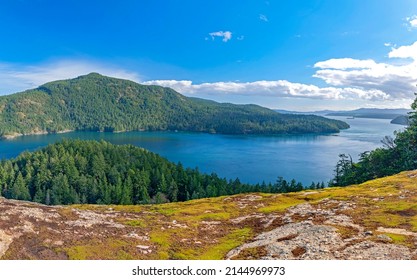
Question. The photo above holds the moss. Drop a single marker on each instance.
(227, 243)
(281, 203)
(397, 238)
(381, 218)
(99, 250)
(214, 216)
(135, 223)
(163, 240)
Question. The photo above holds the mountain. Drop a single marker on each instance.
(373, 220)
(100, 103)
(372, 113)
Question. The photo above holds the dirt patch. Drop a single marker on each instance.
(298, 251)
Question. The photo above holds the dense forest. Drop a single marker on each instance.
(397, 154)
(82, 171)
(100, 103)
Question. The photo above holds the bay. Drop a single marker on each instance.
(250, 158)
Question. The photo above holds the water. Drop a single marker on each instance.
(252, 159)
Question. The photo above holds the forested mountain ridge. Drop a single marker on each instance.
(100, 103)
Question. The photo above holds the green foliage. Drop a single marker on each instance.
(397, 155)
(76, 171)
(99, 103)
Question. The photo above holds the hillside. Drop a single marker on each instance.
(99, 103)
(374, 220)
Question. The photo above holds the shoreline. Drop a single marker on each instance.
(16, 135)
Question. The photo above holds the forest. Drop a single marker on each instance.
(397, 154)
(85, 171)
(98, 103)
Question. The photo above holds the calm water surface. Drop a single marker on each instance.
(252, 159)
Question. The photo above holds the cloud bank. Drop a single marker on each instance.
(347, 78)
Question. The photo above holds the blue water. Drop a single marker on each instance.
(252, 159)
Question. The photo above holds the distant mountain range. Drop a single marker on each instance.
(398, 116)
(99, 103)
(373, 113)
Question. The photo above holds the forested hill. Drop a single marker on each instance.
(76, 171)
(100, 103)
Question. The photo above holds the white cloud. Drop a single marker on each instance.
(279, 88)
(412, 21)
(404, 52)
(263, 17)
(15, 77)
(347, 79)
(226, 35)
(345, 63)
(396, 80)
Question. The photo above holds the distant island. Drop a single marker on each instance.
(401, 120)
(371, 113)
(98, 103)
(397, 116)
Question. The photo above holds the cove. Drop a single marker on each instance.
(250, 158)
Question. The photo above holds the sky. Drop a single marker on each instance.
(283, 54)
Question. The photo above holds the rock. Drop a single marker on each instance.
(384, 238)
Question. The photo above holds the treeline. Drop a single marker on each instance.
(397, 154)
(76, 171)
(99, 103)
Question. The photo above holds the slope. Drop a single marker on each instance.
(374, 220)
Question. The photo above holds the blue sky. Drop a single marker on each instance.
(299, 55)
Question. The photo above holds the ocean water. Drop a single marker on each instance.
(252, 159)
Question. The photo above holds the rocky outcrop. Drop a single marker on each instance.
(374, 220)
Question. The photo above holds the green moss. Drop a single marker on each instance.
(227, 243)
(98, 250)
(281, 203)
(214, 216)
(163, 239)
(397, 238)
(380, 218)
(135, 223)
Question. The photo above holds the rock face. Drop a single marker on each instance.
(316, 237)
(374, 220)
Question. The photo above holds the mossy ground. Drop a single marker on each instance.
(207, 228)
(202, 229)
